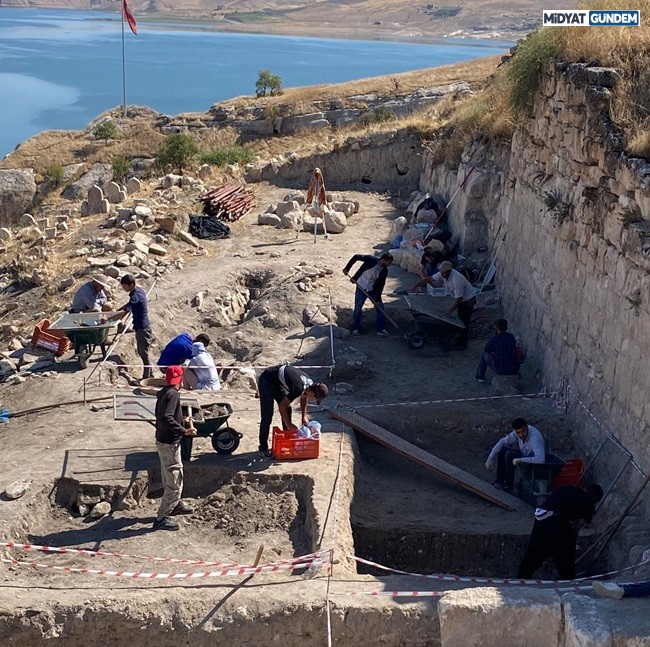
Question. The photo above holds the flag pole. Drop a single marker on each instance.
(123, 67)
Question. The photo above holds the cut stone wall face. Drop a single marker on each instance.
(575, 280)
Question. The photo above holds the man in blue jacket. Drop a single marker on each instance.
(370, 279)
(499, 353)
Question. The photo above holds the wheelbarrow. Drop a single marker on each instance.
(210, 422)
(85, 333)
(429, 321)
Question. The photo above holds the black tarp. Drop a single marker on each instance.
(208, 228)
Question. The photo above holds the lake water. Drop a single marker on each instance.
(59, 69)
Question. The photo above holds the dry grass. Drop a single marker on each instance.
(627, 48)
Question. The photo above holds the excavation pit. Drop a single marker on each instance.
(234, 514)
(411, 519)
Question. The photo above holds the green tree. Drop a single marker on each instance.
(177, 151)
(121, 168)
(54, 174)
(106, 130)
(268, 84)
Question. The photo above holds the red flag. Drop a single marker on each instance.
(129, 17)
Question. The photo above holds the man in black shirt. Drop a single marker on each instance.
(500, 353)
(556, 528)
(283, 384)
(170, 429)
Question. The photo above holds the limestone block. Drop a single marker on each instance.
(414, 233)
(17, 190)
(50, 233)
(505, 384)
(291, 220)
(285, 207)
(253, 172)
(39, 276)
(66, 282)
(130, 225)
(271, 208)
(171, 180)
(157, 250)
(142, 212)
(490, 617)
(296, 196)
(308, 224)
(137, 246)
(427, 215)
(205, 171)
(347, 208)
(17, 489)
(134, 185)
(186, 237)
(123, 260)
(268, 219)
(112, 271)
(27, 220)
(335, 222)
(7, 367)
(100, 509)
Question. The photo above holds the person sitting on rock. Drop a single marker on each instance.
(499, 353)
(92, 296)
(524, 444)
(201, 372)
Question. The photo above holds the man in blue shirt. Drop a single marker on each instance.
(500, 353)
(92, 296)
(139, 309)
(177, 351)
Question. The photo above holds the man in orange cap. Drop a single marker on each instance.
(170, 429)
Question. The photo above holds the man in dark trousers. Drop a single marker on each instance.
(556, 528)
(499, 353)
(283, 384)
(139, 308)
(170, 430)
(370, 280)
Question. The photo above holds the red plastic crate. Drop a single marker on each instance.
(287, 445)
(571, 473)
(52, 340)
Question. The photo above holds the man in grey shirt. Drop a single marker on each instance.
(524, 444)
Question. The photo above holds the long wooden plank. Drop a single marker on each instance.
(425, 459)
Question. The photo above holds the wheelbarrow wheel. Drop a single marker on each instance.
(225, 441)
(416, 340)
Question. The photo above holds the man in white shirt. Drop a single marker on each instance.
(202, 372)
(524, 444)
(461, 290)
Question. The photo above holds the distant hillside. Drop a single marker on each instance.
(509, 19)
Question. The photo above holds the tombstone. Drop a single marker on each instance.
(114, 193)
(133, 186)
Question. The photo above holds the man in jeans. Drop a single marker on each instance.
(139, 308)
(170, 430)
(370, 280)
(499, 353)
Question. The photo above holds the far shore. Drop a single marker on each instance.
(282, 28)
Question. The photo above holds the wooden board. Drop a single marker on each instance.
(446, 470)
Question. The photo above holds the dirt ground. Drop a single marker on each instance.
(242, 501)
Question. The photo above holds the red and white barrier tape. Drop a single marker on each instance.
(437, 594)
(84, 552)
(441, 577)
(248, 570)
(479, 399)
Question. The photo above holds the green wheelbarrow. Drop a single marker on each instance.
(85, 333)
(209, 421)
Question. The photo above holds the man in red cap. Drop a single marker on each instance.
(170, 429)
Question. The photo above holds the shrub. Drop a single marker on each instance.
(560, 209)
(527, 64)
(121, 168)
(268, 84)
(54, 175)
(106, 130)
(380, 115)
(225, 155)
(177, 151)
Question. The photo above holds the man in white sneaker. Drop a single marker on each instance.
(170, 429)
(619, 591)
(370, 280)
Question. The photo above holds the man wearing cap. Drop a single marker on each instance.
(461, 290)
(170, 429)
(92, 296)
(283, 384)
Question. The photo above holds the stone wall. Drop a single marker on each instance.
(575, 280)
(378, 161)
